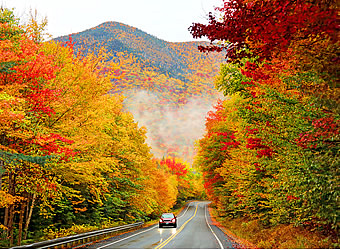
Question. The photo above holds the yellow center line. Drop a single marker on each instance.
(179, 230)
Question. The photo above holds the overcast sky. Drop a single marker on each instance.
(166, 19)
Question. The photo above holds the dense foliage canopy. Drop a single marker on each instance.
(271, 150)
(70, 155)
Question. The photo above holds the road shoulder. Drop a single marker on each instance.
(242, 243)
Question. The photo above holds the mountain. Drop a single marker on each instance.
(168, 58)
(169, 87)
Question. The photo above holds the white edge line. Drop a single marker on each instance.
(218, 240)
(139, 232)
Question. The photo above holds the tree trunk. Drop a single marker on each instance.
(5, 233)
(11, 224)
(29, 198)
(28, 219)
(10, 221)
(21, 221)
(2, 171)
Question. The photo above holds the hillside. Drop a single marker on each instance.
(169, 87)
(168, 58)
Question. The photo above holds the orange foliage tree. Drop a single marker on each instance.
(69, 154)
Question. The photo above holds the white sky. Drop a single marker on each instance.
(166, 19)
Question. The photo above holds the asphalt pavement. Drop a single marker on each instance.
(194, 231)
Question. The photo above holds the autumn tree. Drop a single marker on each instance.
(25, 98)
(281, 70)
(189, 180)
(69, 153)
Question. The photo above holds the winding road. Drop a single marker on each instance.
(194, 230)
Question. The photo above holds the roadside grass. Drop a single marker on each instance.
(251, 234)
(78, 229)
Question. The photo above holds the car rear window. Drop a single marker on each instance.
(167, 216)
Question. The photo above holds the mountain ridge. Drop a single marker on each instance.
(168, 86)
(168, 57)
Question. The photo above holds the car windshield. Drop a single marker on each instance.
(168, 216)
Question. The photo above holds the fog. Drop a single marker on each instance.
(171, 129)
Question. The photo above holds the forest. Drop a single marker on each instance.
(270, 153)
(80, 151)
(72, 159)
